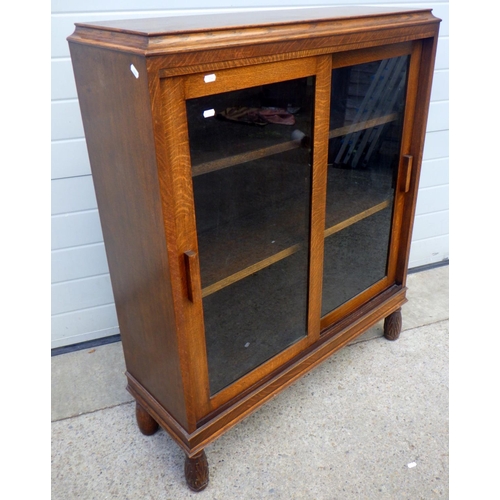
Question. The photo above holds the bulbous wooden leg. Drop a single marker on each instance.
(196, 471)
(392, 325)
(147, 424)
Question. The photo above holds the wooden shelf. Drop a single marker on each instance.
(356, 218)
(251, 244)
(211, 166)
(236, 250)
(258, 266)
(357, 127)
(236, 159)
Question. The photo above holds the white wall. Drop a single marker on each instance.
(82, 300)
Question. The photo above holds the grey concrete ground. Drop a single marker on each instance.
(369, 423)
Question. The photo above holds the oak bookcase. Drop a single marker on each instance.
(256, 177)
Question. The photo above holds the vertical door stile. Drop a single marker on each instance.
(318, 198)
(422, 72)
(191, 338)
(406, 150)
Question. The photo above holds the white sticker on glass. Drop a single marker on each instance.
(208, 113)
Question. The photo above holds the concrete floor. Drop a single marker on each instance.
(369, 423)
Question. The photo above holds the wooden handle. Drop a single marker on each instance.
(191, 262)
(408, 163)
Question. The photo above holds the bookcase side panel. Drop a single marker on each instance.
(115, 104)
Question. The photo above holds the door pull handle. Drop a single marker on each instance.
(408, 162)
(191, 263)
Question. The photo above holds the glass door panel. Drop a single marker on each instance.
(366, 120)
(252, 180)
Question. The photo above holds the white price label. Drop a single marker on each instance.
(134, 71)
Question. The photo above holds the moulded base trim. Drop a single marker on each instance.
(332, 339)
